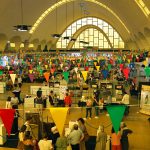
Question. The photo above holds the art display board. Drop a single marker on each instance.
(2, 133)
(145, 100)
(29, 102)
(62, 91)
(118, 91)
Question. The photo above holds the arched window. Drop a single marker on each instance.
(91, 36)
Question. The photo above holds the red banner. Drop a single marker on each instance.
(7, 116)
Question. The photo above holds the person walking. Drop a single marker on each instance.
(101, 139)
(124, 136)
(125, 101)
(89, 104)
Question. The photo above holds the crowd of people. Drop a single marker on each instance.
(77, 139)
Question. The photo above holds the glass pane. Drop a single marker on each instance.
(115, 42)
(111, 32)
(58, 45)
(89, 21)
(105, 29)
(86, 33)
(91, 38)
(79, 26)
(105, 44)
(115, 35)
(121, 44)
(91, 44)
(95, 33)
(91, 31)
(101, 36)
(101, 43)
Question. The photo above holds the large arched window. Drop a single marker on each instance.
(91, 36)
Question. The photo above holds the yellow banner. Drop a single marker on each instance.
(95, 63)
(145, 63)
(97, 67)
(84, 73)
(128, 60)
(30, 71)
(59, 116)
(13, 76)
(46, 66)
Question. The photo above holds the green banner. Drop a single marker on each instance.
(66, 75)
(116, 113)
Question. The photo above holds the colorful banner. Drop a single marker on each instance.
(31, 77)
(11, 72)
(76, 69)
(84, 74)
(1, 72)
(8, 67)
(95, 63)
(109, 67)
(13, 76)
(30, 71)
(97, 67)
(46, 75)
(105, 73)
(116, 113)
(66, 75)
(121, 66)
(145, 63)
(61, 65)
(59, 116)
(7, 116)
(52, 70)
(126, 72)
(147, 71)
(46, 66)
(86, 68)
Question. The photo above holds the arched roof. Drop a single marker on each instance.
(124, 15)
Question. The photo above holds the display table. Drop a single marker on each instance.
(2, 133)
(3, 83)
(2, 87)
(29, 102)
(45, 90)
(145, 100)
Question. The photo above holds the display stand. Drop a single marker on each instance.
(145, 100)
(106, 89)
(2, 87)
(118, 92)
(29, 102)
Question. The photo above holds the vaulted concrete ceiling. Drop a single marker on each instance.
(136, 34)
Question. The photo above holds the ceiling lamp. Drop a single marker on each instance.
(56, 35)
(22, 27)
(83, 42)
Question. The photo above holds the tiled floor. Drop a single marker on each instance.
(139, 140)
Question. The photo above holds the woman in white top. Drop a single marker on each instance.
(45, 144)
(8, 103)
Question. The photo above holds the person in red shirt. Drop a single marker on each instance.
(67, 100)
(115, 140)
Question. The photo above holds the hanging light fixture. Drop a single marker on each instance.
(73, 39)
(56, 35)
(22, 27)
(85, 12)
